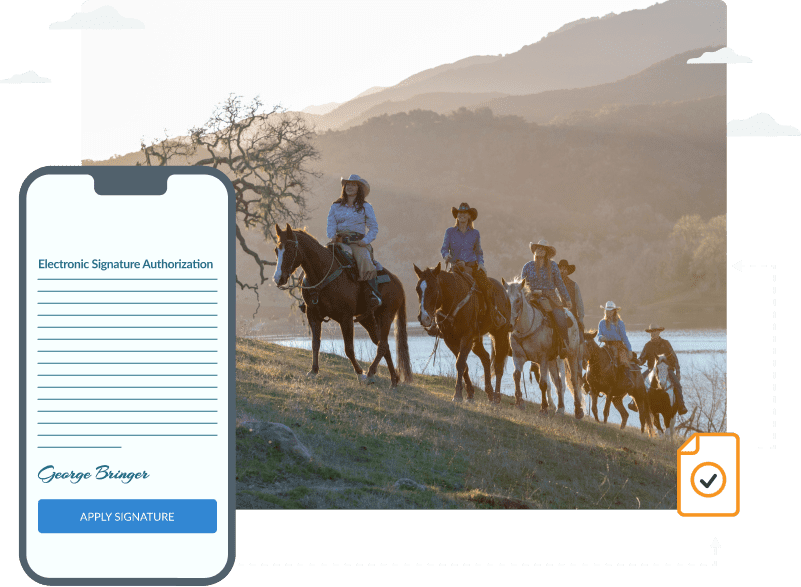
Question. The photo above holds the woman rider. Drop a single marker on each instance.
(612, 332)
(542, 274)
(352, 222)
(462, 247)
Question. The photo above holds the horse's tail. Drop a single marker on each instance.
(402, 341)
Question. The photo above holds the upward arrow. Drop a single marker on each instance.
(715, 545)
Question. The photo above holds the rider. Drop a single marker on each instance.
(612, 332)
(462, 248)
(543, 274)
(577, 304)
(659, 346)
(352, 222)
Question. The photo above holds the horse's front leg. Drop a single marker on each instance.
(461, 362)
(624, 413)
(519, 361)
(595, 406)
(316, 328)
(556, 376)
(607, 406)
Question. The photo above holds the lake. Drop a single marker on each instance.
(701, 353)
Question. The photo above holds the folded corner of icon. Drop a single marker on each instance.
(691, 446)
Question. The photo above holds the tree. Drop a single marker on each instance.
(266, 157)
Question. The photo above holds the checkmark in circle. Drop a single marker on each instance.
(708, 483)
(706, 474)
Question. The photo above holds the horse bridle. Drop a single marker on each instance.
(295, 256)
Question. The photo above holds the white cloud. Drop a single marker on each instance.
(759, 125)
(29, 77)
(724, 55)
(104, 18)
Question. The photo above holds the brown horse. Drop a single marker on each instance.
(450, 303)
(602, 378)
(329, 293)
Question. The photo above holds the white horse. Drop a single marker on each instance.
(662, 399)
(532, 340)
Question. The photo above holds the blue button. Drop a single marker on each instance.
(127, 516)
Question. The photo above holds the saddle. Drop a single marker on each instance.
(348, 263)
(466, 275)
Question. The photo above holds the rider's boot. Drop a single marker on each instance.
(679, 397)
(373, 299)
(498, 320)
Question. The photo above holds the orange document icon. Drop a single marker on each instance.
(708, 475)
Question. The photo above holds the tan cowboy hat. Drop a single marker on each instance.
(544, 244)
(610, 305)
(563, 264)
(464, 207)
(654, 328)
(356, 178)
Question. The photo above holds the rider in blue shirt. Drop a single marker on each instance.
(462, 248)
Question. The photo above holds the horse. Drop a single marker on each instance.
(532, 339)
(661, 397)
(602, 378)
(449, 302)
(332, 294)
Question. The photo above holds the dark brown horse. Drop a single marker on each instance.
(449, 302)
(330, 293)
(602, 378)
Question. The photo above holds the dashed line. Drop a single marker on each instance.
(568, 565)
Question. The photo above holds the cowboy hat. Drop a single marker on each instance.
(464, 207)
(358, 179)
(654, 328)
(563, 264)
(610, 305)
(544, 244)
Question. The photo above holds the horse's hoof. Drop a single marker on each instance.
(579, 413)
(520, 406)
(560, 411)
(311, 374)
(371, 380)
(457, 398)
(361, 378)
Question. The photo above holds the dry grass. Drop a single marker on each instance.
(469, 455)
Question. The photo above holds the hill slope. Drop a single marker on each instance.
(364, 439)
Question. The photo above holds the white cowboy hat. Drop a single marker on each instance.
(654, 328)
(610, 305)
(361, 180)
(544, 244)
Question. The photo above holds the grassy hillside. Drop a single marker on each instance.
(364, 439)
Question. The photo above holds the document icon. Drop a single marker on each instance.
(708, 475)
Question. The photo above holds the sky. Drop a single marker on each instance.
(293, 54)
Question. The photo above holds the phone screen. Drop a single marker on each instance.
(127, 363)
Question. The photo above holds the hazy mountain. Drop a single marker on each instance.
(581, 54)
(323, 109)
(439, 102)
(669, 80)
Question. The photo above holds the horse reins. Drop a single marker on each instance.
(295, 256)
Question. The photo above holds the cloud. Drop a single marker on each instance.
(104, 18)
(760, 125)
(724, 55)
(29, 77)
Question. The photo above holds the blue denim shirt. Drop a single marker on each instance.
(616, 331)
(547, 278)
(463, 247)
